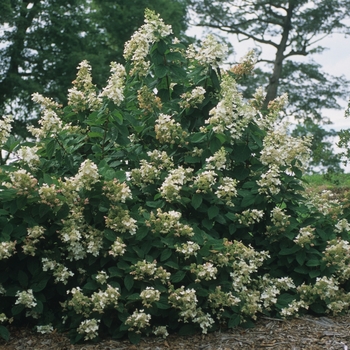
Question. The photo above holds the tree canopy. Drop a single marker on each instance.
(292, 28)
(43, 41)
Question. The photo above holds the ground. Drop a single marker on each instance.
(305, 333)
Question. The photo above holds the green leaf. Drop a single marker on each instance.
(214, 145)
(91, 285)
(115, 272)
(231, 216)
(17, 309)
(248, 200)
(166, 253)
(178, 276)
(313, 262)
(197, 199)
(50, 148)
(289, 251)
(198, 137)
(172, 264)
(187, 329)
(43, 209)
(300, 257)
(22, 279)
(4, 333)
(128, 282)
(134, 337)
(110, 235)
(234, 321)
(162, 306)
(314, 273)
(318, 308)
(160, 70)
(213, 212)
(95, 134)
(142, 232)
(39, 286)
(241, 153)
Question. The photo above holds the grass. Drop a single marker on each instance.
(329, 181)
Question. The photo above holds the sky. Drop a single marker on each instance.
(335, 60)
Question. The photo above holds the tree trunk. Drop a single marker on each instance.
(272, 88)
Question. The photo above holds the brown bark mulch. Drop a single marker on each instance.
(305, 333)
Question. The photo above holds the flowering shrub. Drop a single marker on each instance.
(163, 202)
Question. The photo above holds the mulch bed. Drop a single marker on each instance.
(306, 333)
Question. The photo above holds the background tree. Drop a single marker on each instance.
(43, 41)
(292, 29)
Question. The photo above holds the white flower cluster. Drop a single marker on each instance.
(217, 161)
(117, 248)
(87, 175)
(218, 300)
(149, 296)
(44, 329)
(227, 190)
(119, 220)
(293, 308)
(101, 277)
(229, 112)
(29, 156)
(160, 331)
(244, 261)
(192, 98)
(211, 53)
(79, 237)
(21, 181)
(342, 225)
(83, 94)
(147, 173)
(325, 288)
(271, 288)
(186, 301)
(337, 253)
(3, 318)
(323, 202)
(150, 171)
(145, 270)
(117, 192)
(60, 272)
(305, 236)
(34, 234)
(188, 249)
(205, 271)
(168, 222)
(48, 195)
(50, 122)
(7, 249)
(161, 159)
(137, 48)
(250, 216)
(138, 320)
(5, 128)
(89, 328)
(98, 301)
(205, 321)
(26, 298)
(281, 149)
(115, 85)
(204, 181)
(270, 181)
(279, 219)
(170, 189)
(168, 131)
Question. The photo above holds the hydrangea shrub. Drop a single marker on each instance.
(164, 202)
